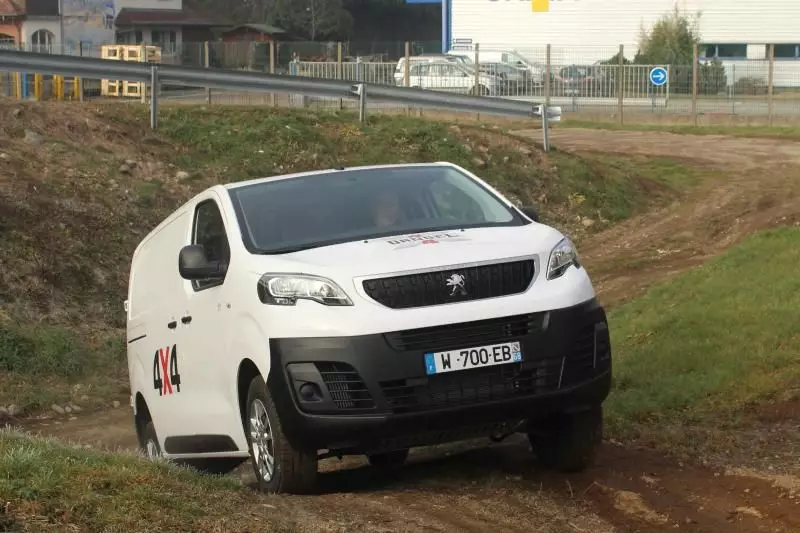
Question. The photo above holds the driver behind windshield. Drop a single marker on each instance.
(386, 210)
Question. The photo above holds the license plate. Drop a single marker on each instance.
(478, 357)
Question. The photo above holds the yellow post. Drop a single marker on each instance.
(58, 87)
(37, 87)
(16, 78)
(76, 88)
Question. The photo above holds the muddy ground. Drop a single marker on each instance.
(478, 486)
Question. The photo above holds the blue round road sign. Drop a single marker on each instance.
(658, 76)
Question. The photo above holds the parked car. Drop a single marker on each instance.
(400, 73)
(454, 77)
(511, 58)
(578, 80)
(361, 310)
(516, 81)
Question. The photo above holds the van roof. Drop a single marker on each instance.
(238, 184)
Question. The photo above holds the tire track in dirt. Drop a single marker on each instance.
(475, 487)
(758, 187)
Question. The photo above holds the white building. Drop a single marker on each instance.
(585, 31)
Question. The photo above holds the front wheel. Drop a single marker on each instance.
(278, 466)
(568, 442)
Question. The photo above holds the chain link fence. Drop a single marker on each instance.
(585, 81)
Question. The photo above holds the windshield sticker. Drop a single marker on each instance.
(411, 241)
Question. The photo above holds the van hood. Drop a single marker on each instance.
(388, 255)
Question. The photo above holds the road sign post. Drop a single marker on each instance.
(658, 76)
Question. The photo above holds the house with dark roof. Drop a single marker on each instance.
(36, 24)
(247, 45)
(252, 32)
(42, 29)
(164, 23)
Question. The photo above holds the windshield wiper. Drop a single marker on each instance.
(289, 249)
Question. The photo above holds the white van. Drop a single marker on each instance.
(365, 311)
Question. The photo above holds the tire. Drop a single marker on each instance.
(569, 442)
(149, 444)
(293, 471)
(388, 460)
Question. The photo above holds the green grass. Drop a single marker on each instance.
(710, 342)
(773, 132)
(235, 143)
(41, 365)
(47, 486)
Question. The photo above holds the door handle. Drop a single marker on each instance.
(173, 324)
(186, 319)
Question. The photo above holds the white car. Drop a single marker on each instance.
(453, 77)
(364, 310)
(400, 73)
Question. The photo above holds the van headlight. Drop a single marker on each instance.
(286, 289)
(561, 257)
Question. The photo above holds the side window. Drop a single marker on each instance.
(420, 69)
(209, 232)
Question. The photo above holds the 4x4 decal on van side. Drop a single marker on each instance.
(165, 370)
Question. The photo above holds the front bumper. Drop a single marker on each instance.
(371, 392)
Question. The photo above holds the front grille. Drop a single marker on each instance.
(465, 334)
(345, 386)
(452, 285)
(471, 386)
(582, 361)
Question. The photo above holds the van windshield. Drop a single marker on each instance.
(288, 215)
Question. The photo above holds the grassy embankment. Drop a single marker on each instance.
(87, 182)
(698, 352)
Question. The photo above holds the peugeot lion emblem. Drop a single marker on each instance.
(456, 283)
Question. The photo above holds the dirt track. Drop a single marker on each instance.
(477, 487)
(759, 187)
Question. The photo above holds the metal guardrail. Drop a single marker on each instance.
(157, 74)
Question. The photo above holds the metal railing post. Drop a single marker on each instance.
(362, 102)
(621, 84)
(478, 74)
(207, 64)
(770, 84)
(154, 97)
(545, 133)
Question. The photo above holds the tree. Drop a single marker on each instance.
(315, 19)
(670, 41)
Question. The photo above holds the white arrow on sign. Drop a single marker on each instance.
(658, 76)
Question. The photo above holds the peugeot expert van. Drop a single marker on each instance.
(363, 311)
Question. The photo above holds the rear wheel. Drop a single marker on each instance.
(388, 460)
(568, 442)
(278, 466)
(149, 443)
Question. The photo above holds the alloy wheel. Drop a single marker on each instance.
(263, 445)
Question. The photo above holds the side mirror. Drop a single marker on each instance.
(193, 264)
(530, 212)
